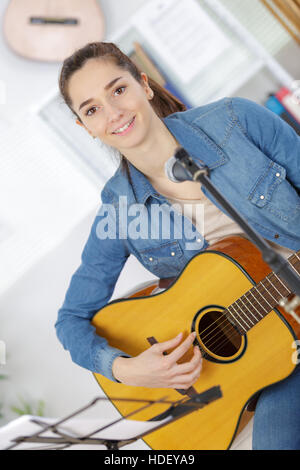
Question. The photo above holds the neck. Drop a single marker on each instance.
(150, 157)
(260, 300)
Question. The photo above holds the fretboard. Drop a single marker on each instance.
(261, 299)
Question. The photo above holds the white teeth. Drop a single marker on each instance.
(122, 129)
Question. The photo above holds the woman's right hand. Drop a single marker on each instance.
(153, 369)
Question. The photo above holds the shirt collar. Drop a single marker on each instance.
(199, 146)
(142, 187)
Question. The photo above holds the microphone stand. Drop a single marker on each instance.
(277, 263)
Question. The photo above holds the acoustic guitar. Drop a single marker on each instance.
(230, 297)
(51, 30)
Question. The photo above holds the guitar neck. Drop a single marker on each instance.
(261, 299)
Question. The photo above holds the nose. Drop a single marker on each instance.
(114, 113)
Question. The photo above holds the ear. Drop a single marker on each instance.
(145, 78)
(82, 125)
(146, 86)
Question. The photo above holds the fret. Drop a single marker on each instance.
(280, 293)
(236, 309)
(253, 288)
(244, 311)
(264, 299)
(276, 301)
(283, 295)
(248, 318)
(294, 268)
(236, 320)
(252, 305)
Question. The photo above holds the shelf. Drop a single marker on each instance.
(237, 65)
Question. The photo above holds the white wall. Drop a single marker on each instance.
(37, 366)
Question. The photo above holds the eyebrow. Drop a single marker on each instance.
(107, 87)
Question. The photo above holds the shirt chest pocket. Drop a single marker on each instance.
(273, 193)
(164, 260)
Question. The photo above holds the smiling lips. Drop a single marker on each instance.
(125, 129)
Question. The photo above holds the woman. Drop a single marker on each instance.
(254, 160)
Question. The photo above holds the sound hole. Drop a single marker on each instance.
(218, 335)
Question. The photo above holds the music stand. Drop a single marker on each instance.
(110, 435)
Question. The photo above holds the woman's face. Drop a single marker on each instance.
(111, 104)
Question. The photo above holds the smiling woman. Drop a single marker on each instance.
(122, 103)
(253, 157)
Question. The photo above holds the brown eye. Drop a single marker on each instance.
(91, 109)
(122, 88)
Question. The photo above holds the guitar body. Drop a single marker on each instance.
(212, 280)
(51, 30)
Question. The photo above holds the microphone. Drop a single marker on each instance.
(175, 172)
(181, 167)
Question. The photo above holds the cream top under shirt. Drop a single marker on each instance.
(214, 224)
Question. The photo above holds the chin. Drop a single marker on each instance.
(131, 143)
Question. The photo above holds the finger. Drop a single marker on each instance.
(187, 379)
(172, 343)
(195, 362)
(182, 348)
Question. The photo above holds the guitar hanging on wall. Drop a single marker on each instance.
(51, 30)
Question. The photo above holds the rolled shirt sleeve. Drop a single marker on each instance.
(90, 289)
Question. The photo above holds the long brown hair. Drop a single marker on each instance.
(163, 102)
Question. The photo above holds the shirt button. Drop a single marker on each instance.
(262, 197)
(277, 174)
(150, 259)
(172, 253)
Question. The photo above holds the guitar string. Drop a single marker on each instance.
(205, 354)
(226, 332)
(231, 327)
(247, 317)
(226, 319)
(218, 330)
(225, 340)
(259, 304)
(224, 314)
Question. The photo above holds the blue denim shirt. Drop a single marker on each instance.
(250, 151)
